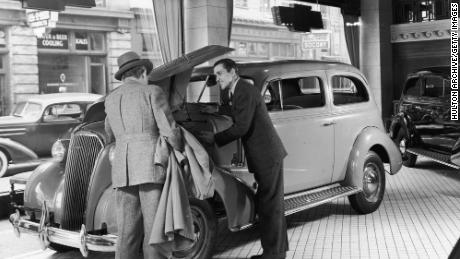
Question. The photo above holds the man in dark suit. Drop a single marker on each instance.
(264, 154)
(137, 115)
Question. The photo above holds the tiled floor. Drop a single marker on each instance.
(419, 218)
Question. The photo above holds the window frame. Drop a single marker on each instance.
(361, 82)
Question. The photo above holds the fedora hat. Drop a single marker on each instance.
(129, 60)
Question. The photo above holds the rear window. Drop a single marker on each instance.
(348, 90)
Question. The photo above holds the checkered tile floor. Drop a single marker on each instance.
(418, 218)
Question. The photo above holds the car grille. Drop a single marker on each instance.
(83, 150)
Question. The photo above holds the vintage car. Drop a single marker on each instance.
(33, 126)
(324, 113)
(422, 125)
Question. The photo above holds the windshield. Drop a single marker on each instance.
(27, 110)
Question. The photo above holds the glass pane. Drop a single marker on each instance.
(433, 87)
(62, 73)
(1, 61)
(348, 90)
(96, 41)
(32, 110)
(413, 87)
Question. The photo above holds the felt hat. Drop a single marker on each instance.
(129, 60)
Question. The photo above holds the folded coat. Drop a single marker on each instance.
(187, 173)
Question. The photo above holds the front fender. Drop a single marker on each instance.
(100, 182)
(17, 152)
(46, 183)
(371, 139)
(237, 197)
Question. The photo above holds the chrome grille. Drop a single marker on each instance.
(83, 150)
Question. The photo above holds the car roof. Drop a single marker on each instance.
(47, 99)
(253, 68)
(439, 70)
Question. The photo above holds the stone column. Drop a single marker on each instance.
(118, 43)
(23, 63)
(376, 53)
(206, 23)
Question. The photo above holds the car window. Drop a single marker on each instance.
(413, 87)
(205, 89)
(67, 111)
(294, 93)
(28, 110)
(435, 86)
(348, 90)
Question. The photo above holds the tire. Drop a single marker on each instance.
(370, 198)
(205, 224)
(401, 140)
(3, 163)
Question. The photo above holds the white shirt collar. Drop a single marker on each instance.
(232, 88)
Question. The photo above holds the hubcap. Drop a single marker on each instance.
(371, 185)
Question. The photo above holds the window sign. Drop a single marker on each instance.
(81, 41)
(54, 40)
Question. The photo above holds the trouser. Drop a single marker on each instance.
(270, 208)
(136, 208)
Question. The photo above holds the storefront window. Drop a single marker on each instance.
(72, 61)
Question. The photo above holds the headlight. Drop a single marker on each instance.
(59, 149)
(111, 153)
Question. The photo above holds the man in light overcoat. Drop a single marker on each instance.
(137, 115)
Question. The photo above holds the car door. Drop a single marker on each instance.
(299, 111)
(353, 109)
(56, 121)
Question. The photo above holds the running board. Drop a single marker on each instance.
(439, 158)
(305, 200)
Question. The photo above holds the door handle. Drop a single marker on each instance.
(328, 124)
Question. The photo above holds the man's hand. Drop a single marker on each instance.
(206, 138)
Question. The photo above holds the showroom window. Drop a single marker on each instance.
(72, 61)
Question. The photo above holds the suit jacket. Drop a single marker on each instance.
(251, 123)
(137, 115)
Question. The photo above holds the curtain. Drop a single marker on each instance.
(351, 28)
(230, 19)
(169, 19)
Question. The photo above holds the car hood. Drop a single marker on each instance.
(5, 120)
(174, 76)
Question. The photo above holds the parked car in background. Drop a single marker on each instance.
(324, 113)
(421, 125)
(29, 132)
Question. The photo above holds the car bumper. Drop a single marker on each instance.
(47, 234)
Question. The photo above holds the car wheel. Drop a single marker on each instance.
(205, 227)
(3, 163)
(370, 198)
(401, 140)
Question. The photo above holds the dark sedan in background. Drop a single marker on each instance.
(29, 132)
